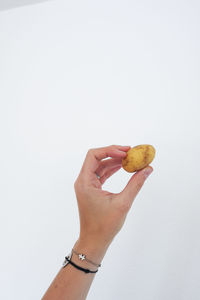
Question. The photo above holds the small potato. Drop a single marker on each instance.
(138, 158)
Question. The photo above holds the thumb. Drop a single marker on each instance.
(134, 185)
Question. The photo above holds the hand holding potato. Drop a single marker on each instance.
(101, 212)
(102, 215)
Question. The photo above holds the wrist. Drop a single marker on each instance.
(94, 251)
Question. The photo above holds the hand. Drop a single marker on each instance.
(101, 212)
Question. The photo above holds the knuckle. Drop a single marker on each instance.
(90, 150)
(75, 184)
(79, 185)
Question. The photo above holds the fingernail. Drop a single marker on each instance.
(147, 172)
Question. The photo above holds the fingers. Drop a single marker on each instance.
(94, 156)
(108, 174)
(110, 151)
(134, 186)
(107, 164)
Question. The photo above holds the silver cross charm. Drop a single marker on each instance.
(81, 256)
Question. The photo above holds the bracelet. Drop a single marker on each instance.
(78, 267)
(83, 257)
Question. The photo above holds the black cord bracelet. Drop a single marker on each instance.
(78, 267)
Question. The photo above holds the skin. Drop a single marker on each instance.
(102, 215)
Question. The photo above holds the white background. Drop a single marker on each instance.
(8, 4)
(76, 75)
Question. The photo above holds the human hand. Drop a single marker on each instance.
(101, 212)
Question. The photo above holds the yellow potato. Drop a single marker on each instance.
(138, 158)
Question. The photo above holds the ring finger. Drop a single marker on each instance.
(108, 174)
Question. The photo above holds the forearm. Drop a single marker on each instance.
(71, 283)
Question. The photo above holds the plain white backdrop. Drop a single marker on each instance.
(76, 75)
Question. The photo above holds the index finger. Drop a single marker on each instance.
(95, 155)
